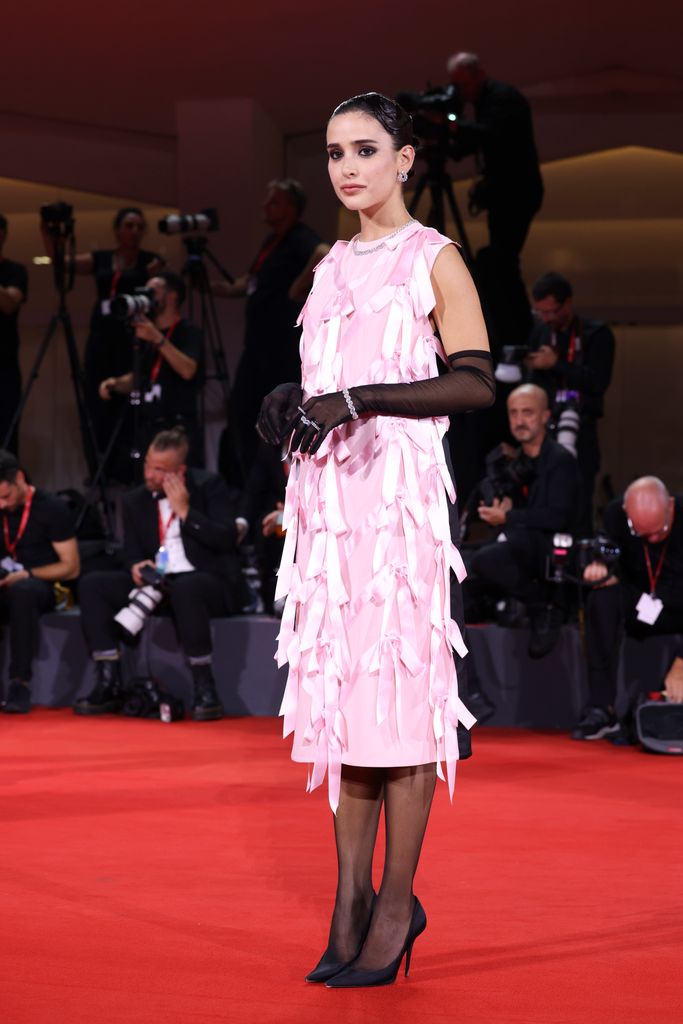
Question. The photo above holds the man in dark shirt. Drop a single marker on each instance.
(180, 522)
(643, 598)
(13, 291)
(571, 358)
(275, 287)
(170, 368)
(529, 516)
(37, 549)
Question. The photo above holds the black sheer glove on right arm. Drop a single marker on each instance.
(278, 410)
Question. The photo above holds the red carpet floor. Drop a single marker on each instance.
(179, 873)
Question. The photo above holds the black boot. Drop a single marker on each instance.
(18, 698)
(106, 696)
(206, 706)
(544, 633)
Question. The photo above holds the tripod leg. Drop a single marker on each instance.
(457, 218)
(32, 377)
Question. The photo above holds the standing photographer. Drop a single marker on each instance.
(170, 363)
(178, 526)
(644, 598)
(542, 500)
(571, 358)
(37, 549)
(13, 292)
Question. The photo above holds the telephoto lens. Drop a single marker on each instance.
(183, 223)
(125, 307)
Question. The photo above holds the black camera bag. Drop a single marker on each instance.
(659, 726)
(147, 699)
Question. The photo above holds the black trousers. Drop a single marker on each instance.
(610, 613)
(21, 605)
(515, 567)
(194, 598)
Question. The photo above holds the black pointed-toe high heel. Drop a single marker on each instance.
(327, 967)
(356, 977)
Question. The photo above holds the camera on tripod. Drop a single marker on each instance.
(58, 218)
(183, 223)
(142, 601)
(141, 303)
(433, 111)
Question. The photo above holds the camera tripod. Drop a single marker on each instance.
(63, 264)
(436, 178)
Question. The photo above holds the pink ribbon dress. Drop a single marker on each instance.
(367, 629)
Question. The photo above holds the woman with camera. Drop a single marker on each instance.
(372, 694)
(108, 349)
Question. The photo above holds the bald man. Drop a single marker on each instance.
(644, 598)
(528, 517)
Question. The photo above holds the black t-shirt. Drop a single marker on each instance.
(632, 562)
(50, 520)
(169, 396)
(590, 369)
(270, 314)
(12, 275)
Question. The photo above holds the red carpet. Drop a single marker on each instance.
(179, 874)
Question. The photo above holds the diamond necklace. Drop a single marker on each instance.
(380, 244)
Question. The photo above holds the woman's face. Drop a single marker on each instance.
(130, 231)
(362, 162)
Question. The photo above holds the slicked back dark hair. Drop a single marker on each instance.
(9, 467)
(396, 121)
(553, 284)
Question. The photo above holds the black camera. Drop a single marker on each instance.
(58, 218)
(183, 223)
(570, 558)
(505, 474)
(509, 368)
(433, 112)
(141, 303)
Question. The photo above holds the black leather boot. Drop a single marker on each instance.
(206, 706)
(106, 696)
(18, 700)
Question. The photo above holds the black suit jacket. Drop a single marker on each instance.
(552, 503)
(208, 533)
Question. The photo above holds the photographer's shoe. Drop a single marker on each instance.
(18, 698)
(206, 706)
(106, 696)
(546, 621)
(596, 724)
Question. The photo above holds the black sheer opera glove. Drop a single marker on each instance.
(468, 386)
(279, 411)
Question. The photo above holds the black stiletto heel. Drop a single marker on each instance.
(356, 977)
(328, 968)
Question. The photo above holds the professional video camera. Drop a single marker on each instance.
(570, 558)
(143, 601)
(433, 111)
(183, 223)
(58, 218)
(506, 471)
(509, 368)
(141, 303)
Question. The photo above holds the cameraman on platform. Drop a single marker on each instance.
(542, 500)
(13, 291)
(37, 549)
(170, 367)
(179, 522)
(644, 598)
(571, 358)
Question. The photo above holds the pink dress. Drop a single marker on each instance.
(367, 629)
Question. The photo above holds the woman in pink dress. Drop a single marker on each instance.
(372, 695)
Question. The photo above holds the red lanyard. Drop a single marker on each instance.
(654, 577)
(163, 528)
(159, 359)
(571, 350)
(11, 545)
(263, 255)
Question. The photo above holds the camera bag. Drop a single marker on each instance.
(659, 725)
(147, 699)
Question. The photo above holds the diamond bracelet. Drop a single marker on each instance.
(352, 408)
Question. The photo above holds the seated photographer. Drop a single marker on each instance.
(571, 358)
(263, 503)
(179, 546)
(37, 549)
(170, 366)
(541, 490)
(643, 596)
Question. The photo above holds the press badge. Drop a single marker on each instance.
(154, 393)
(649, 609)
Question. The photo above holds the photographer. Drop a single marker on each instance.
(170, 361)
(540, 500)
(13, 292)
(275, 288)
(510, 188)
(180, 523)
(644, 598)
(37, 549)
(571, 358)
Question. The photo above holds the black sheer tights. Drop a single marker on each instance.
(407, 797)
